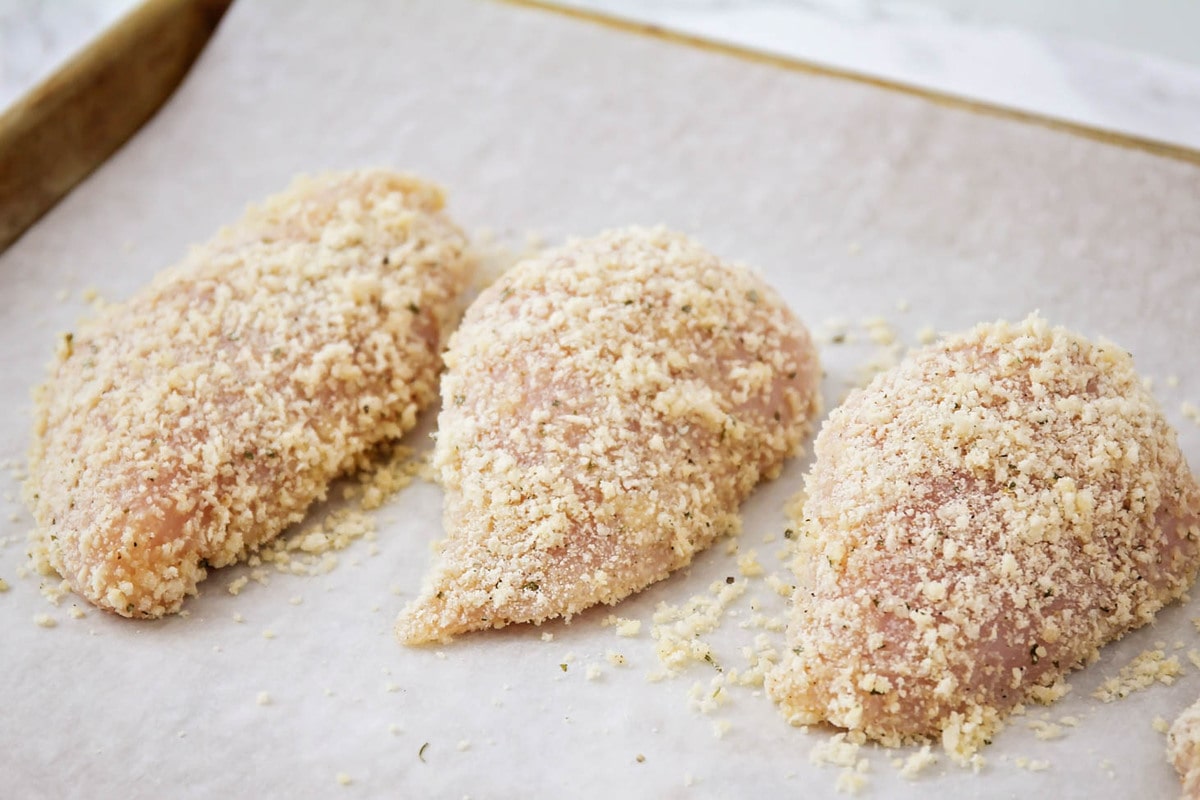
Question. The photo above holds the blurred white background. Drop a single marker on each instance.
(1126, 65)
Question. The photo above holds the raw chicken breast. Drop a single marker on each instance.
(1183, 750)
(979, 521)
(198, 419)
(605, 409)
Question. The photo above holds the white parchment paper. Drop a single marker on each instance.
(854, 201)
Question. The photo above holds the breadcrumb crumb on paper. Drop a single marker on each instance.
(606, 407)
(987, 514)
(1146, 669)
(912, 766)
(215, 405)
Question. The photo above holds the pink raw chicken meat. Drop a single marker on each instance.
(606, 407)
(195, 421)
(979, 521)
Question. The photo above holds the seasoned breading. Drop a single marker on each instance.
(606, 407)
(198, 419)
(1183, 750)
(980, 520)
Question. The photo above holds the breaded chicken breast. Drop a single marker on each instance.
(606, 407)
(979, 520)
(193, 422)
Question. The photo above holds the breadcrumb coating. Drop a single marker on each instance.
(1183, 750)
(195, 421)
(606, 407)
(980, 520)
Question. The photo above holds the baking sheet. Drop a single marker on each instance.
(855, 201)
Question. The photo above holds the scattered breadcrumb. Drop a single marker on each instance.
(4, 587)
(236, 585)
(268, 634)
(76, 612)
(547, 637)
(55, 591)
(851, 782)
(677, 629)
(916, 763)
(45, 621)
(1032, 764)
(1045, 731)
(343, 779)
(1191, 411)
(1146, 669)
(464, 745)
(749, 566)
(624, 627)
(1160, 725)
(837, 750)
(262, 699)
(593, 672)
